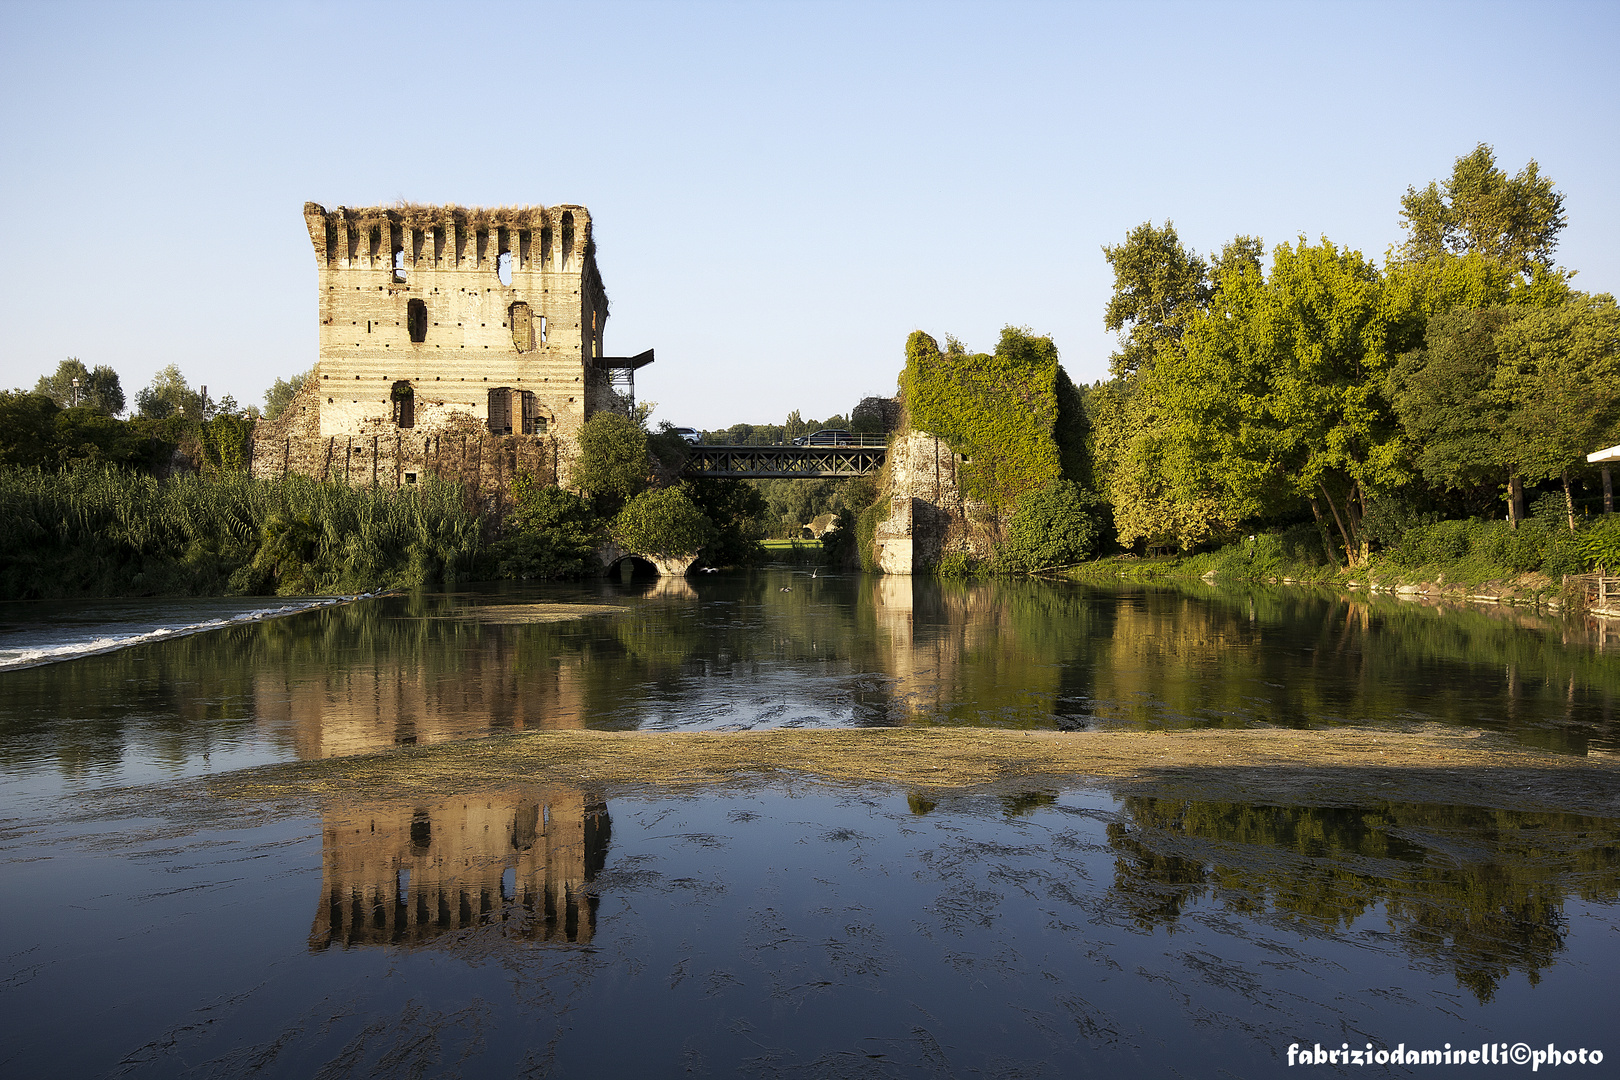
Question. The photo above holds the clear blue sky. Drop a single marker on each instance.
(782, 191)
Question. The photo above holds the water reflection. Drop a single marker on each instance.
(409, 873)
(737, 652)
(1478, 892)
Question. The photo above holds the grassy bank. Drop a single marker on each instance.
(1468, 559)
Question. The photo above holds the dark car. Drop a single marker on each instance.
(826, 437)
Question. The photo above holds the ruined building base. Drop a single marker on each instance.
(929, 515)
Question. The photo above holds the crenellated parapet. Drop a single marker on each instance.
(555, 238)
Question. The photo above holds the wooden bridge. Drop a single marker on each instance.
(783, 462)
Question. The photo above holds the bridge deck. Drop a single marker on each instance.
(783, 462)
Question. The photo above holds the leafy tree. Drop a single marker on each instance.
(281, 393)
(98, 388)
(169, 395)
(1277, 391)
(551, 533)
(1442, 394)
(1053, 526)
(736, 509)
(612, 466)
(27, 428)
(1158, 285)
(1513, 220)
(664, 521)
(1559, 380)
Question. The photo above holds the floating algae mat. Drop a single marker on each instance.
(859, 829)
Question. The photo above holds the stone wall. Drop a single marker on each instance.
(455, 341)
(929, 517)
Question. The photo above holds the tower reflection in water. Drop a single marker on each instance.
(408, 873)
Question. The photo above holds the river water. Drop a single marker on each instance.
(787, 928)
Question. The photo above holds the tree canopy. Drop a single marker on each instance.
(97, 388)
(1514, 220)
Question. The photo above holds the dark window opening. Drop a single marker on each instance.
(461, 242)
(500, 411)
(374, 244)
(483, 247)
(545, 245)
(525, 243)
(438, 244)
(503, 267)
(567, 238)
(410, 478)
(354, 243)
(416, 320)
(416, 245)
(404, 399)
(331, 242)
(522, 326)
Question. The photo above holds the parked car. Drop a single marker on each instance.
(826, 437)
(691, 435)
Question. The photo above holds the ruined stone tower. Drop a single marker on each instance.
(448, 335)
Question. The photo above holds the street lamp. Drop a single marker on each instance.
(75, 393)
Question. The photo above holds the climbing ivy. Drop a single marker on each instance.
(1013, 414)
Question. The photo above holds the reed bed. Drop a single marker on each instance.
(110, 532)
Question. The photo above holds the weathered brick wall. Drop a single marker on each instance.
(412, 302)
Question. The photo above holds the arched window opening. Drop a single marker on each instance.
(503, 267)
(545, 245)
(522, 323)
(567, 238)
(416, 320)
(374, 246)
(404, 399)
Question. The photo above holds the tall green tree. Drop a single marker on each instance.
(1559, 383)
(170, 395)
(97, 388)
(612, 467)
(1278, 390)
(1159, 284)
(280, 394)
(1514, 220)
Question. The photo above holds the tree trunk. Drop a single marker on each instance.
(1344, 533)
(1569, 502)
(1608, 492)
(1327, 543)
(1515, 500)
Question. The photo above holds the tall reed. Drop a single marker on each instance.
(107, 531)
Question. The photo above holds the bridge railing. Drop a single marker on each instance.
(721, 438)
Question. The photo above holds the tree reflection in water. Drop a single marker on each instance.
(1480, 892)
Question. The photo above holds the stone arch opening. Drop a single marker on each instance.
(631, 568)
(416, 320)
(567, 238)
(403, 397)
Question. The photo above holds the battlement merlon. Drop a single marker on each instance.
(556, 239)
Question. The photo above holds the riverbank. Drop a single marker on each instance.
(1331, 767)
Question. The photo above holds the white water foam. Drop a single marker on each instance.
(14, 659)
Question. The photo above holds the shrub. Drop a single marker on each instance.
(552, 533)
(662, 522)
(1053, 526)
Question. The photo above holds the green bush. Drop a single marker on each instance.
(662, 522)
(1053, 526)
(551, 533)
(1600, 544)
